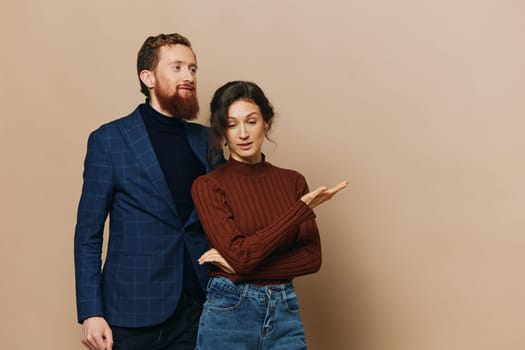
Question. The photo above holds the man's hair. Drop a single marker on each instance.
(148, 56)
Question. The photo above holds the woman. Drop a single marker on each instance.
(259, 221)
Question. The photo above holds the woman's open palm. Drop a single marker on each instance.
(322, 194)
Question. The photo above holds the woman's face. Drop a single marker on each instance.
(245, 131)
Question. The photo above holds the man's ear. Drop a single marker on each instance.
(147, 77)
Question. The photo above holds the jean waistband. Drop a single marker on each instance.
(223, 284)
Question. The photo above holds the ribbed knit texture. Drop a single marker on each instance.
(253, 216)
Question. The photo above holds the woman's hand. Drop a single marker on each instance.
(322, 194)
(213, 256)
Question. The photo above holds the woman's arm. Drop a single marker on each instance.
(303, 259)
(244, 250)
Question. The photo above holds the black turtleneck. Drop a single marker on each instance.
(168, 137)
(179, 164)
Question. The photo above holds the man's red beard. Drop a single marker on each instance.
(185, 108)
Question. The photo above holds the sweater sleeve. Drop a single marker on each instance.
(303, 259)
(244, 251)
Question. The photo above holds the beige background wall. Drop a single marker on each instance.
(420, 104)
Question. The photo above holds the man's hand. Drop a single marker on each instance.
(212, 256)
(96, 334)
(322, 194)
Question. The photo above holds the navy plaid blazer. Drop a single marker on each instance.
(141, 281)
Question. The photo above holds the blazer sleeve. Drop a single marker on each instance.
(93, 209)
(244, 251)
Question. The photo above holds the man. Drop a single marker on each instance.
(139, 169)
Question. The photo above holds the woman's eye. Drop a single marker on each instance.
(252, 122)
(193, 70)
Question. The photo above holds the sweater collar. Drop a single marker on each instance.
(247, 169)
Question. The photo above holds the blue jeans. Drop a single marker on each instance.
(250, 317)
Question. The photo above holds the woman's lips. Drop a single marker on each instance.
(245, 146)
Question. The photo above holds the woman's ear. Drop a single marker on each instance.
(266, 129)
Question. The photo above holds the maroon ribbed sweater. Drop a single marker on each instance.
(253, 216)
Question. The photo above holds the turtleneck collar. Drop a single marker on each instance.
(247, 169)
(158, 118)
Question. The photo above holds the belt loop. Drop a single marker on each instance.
(209, 284)
(244, 289)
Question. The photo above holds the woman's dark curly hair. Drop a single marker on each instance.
(223, 98)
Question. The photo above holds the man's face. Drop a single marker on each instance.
(174, 82)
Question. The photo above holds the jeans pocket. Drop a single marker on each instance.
(222, 300)
(291, 302)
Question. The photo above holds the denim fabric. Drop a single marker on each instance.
(250, 317)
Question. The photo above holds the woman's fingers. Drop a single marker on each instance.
(213, 256)
(341, 185)
(208, 256)
(322, 194)
(338, 187)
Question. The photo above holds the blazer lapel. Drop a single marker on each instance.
(137, 138)
(198, 138)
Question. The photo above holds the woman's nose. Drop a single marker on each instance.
(243, 133)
